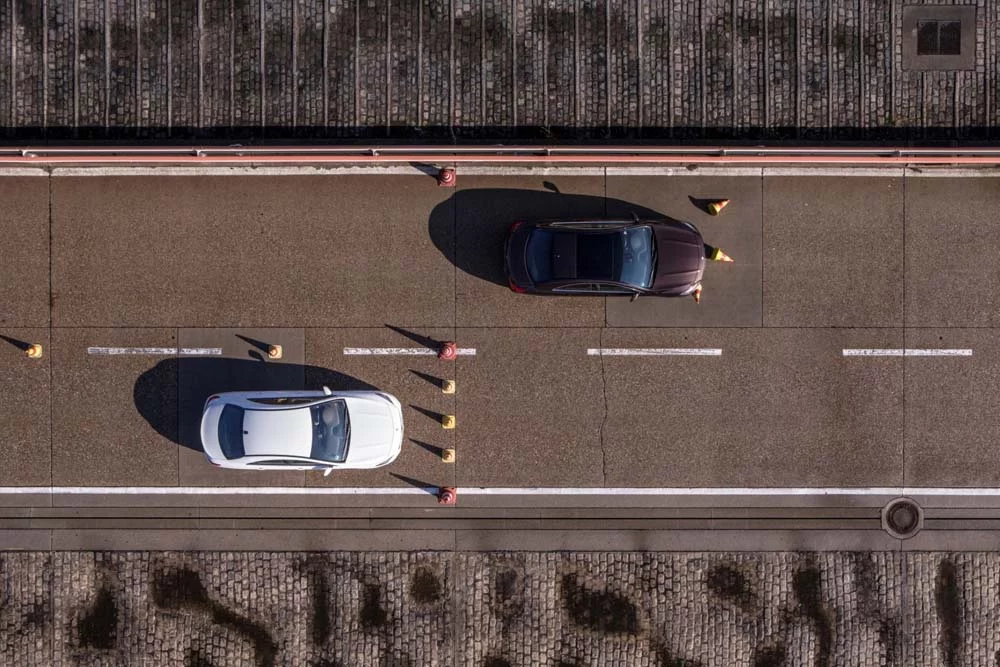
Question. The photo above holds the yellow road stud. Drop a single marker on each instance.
(274, 352)
(34, 351)
(448, 421)
(448, 387)
(448, 455)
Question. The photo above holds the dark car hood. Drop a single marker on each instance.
(680, 257)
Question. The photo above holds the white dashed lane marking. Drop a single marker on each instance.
(654, 352)
(160, 351)
(402, 351)
(907, 352)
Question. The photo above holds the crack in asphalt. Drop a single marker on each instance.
(604, 391)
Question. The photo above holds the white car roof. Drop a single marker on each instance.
(277, 432)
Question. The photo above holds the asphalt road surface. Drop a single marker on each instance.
(853, 342)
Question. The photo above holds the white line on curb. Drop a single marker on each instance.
(402, 351)
(992, 492)
(908, 352)
(472, 169)
(654, 352)
(165, 351)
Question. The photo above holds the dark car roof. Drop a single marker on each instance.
(566, 253)
(680, 254)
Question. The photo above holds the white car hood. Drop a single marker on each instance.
(375, 431)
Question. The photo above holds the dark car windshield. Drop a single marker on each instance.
(231, 432)
(637, 257)
(623, 255)
(331, 431)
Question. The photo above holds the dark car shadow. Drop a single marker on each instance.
(191, 380)
(19, 344)
(469, 227)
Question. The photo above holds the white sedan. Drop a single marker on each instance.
(302, 430)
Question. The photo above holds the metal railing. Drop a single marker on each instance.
(648, 155)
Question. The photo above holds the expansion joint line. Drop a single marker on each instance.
(604, 420)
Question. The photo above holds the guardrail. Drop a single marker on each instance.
(678, 155)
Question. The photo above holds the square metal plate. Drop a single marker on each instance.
(933, 33)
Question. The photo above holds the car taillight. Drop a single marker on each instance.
(210, 399)
(514, 287)
(515, 226)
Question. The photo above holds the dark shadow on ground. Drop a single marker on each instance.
(433, 449)
(416, 483)
(437, 382)
(259, 344)
(419, 339)
(194, 379)
(19, 344)
(436, 416)
(470, 227)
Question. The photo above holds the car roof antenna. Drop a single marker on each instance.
(635, 216)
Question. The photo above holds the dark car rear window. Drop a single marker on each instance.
(538, 256)
(231, 432)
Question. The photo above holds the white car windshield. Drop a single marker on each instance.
(331, 431)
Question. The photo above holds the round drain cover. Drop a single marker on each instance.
(902, 518)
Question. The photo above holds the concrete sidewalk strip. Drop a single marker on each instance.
(905, 352)
(654, 352)
(402, 351)
(528, 491)
(156, 351)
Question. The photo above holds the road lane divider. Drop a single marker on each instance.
(654, 352)
(157, 351)
(906, 352)
(431, 489)
(403, 352)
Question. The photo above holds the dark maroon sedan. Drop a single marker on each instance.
(605, 257)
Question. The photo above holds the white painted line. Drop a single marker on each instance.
(217, 490)
(402, 351)
(867, 172)
(157, 351)
(948, 172)
(515, 170)
(654, 352)
(681, 170)
(907, 352)
(23, 171)
(264, 169)
(247, 170)
(990, 492)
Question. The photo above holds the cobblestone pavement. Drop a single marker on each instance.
(496, 609)
(458, 70)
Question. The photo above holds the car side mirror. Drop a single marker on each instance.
(634, 297)
(326, 391)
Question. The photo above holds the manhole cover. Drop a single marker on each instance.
(902, 518)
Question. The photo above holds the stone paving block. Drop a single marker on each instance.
(493, 608)
(555, 70)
